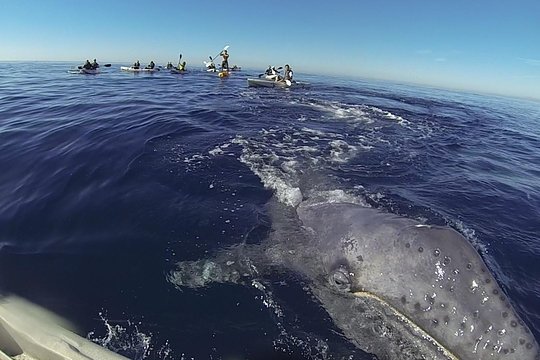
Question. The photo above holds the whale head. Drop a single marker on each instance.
(401, 289)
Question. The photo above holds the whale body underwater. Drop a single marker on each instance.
(395, 287)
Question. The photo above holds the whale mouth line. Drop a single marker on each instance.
(411, 324)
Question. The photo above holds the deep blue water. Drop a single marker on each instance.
(106, 181)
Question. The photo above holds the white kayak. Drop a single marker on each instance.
(132, 69)
(31, 332)
(84, 71)
(275, 83)
(210, 66)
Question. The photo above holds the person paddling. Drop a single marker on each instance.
(151, 65)
(136, 64)
(87, 65)
(288, 76)
(95, 64)
(272, 73)
(181, 66)
(225, 62)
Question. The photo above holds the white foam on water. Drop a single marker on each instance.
(272, 178)
(470, 235)
(289, 161)
(309, 346)
(128, 340)
(196, 158)
(341, 151)
(355, 113)
(388, 115)
(335, 196)
(340, 111)
(274, 164)
(313, 131)
(219, 150)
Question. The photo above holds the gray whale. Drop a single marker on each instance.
(395, 287)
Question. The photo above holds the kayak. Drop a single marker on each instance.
(223, 74)
(210, 66)
(132, 69)
(89, 71)
(84, 71)
(273, 83)
(32, 332)
(176, 71)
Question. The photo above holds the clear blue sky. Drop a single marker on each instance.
(480, 45)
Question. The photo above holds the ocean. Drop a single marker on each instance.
(108, 180)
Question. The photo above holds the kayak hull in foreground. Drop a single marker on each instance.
(132, 69)
(273, 83)
(28, 331)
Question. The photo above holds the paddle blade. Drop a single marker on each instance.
(107, 65)
(288, 82)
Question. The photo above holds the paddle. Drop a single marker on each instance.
(178, 65)
(225, 48)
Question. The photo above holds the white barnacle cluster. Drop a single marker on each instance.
(209, 270)
(439, 271)
(477, 342)
(498, 346)
(494, 347)
(474, 286)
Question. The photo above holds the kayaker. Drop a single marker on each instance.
(211, 66)
(288, 73)
(95, 65)
(87, 65)
(181, 66)
(272, 73)
(225, 62)
(136, 64)
(151, 65)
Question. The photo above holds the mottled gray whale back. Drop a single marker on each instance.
(431, 276)
(395, 287)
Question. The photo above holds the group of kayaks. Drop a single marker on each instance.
(264, 81)
(261, 81)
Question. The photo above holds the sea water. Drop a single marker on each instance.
(108, 180)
